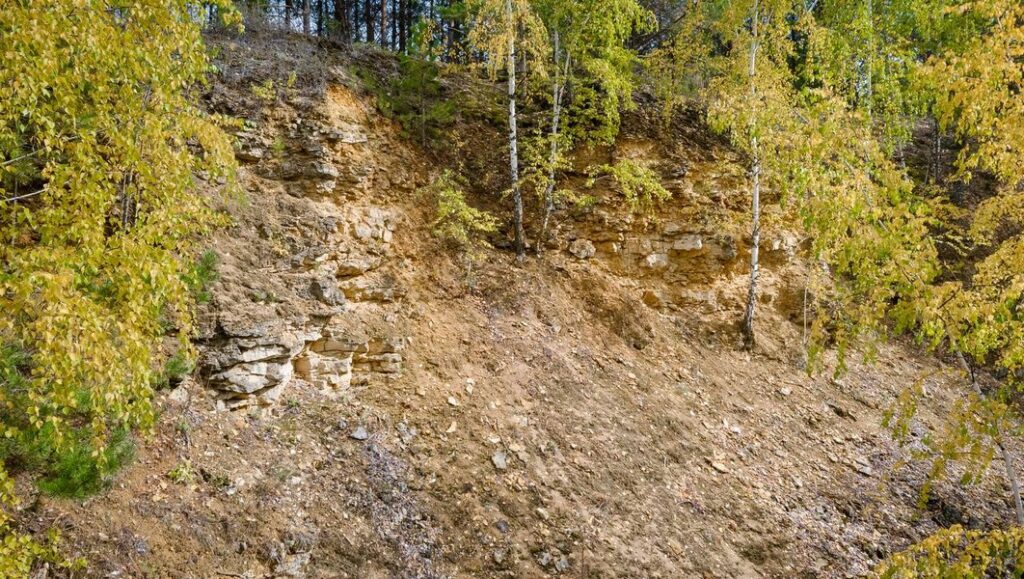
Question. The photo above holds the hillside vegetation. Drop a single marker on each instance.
(511, 288)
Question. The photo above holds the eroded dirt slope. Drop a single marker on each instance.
(367, 407)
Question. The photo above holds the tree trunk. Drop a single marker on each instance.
(288, 15)
(305, 17)
(457, 36)
(755, 203)
(368, 15)
(341, 19)
(355, 21)
(513, 144)
(1004, 454)
(755, 243)
(549, 191)
(448, 27)
(384, 23)
(870, 58)
(403, 24)
(394, 24)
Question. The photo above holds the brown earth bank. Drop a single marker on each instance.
(369, 405)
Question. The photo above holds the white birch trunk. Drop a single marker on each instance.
(755, 194)
(513, 143)
(1004, 454)
(549, 191)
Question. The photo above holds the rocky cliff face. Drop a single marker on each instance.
(367, 407)
(311, 271)
(309, 275)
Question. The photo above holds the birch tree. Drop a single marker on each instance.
(101, 146)
(501, 28)
(588, 49)
(867, 51)
(742, 48)
(974, 82)
(959, 63)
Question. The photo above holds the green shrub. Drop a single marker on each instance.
(638, 184)
(77, 472)
(956, 552)
(265, 91)
(202, 275)
(183, 473)
(177, 367)
(456, 222)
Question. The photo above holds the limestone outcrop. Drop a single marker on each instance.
(306, 297)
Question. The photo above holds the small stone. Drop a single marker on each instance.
(562, 565)
(582, 249)
(543, 513)
(652, 299)
(689, 243)
(179, 396)
(406, 433)
(359, 434)
(362, 231)
(292, 565)
(500, 460)
(786, 391)
(357, 265)
(325, 170)
(544, 559)
(719, 467)
(656, 261)
(326, 291)
(502, 526)
(250, 154)
(452, 428)
(453, 401)
(840, 411)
